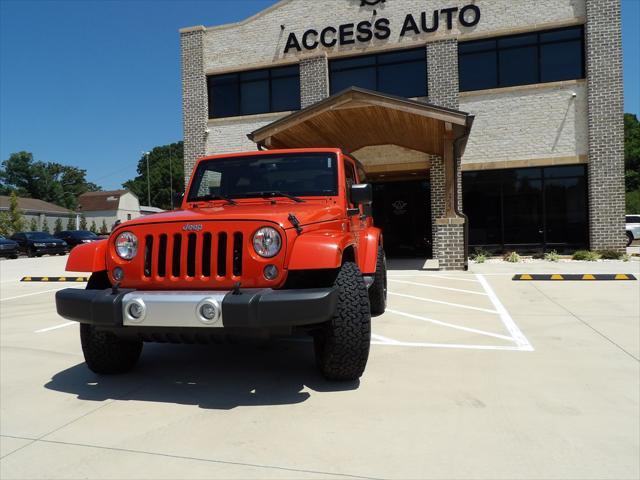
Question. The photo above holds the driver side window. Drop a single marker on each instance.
(350, 177)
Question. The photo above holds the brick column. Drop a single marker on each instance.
(606, 127)
(443, 90)
(314, 80)
(194, 96)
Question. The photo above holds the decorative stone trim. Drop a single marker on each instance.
(532, 162)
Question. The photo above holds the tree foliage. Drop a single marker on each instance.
(71, 223)
(160, 159)
(632, 162)
(93, 227)
(12, 220)
(103, 228)
(83, 222)
(57, 227)
(45, 225)
(33, 225)
(48, 181)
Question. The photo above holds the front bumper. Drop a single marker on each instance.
(250, 308)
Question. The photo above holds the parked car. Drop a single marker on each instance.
(78, 237)
(633, 228)
(36, 244)
(273, 242)
(8, 248)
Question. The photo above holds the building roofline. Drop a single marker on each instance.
(224, 26)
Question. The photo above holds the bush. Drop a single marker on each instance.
(610, 254)
(625, 257)
(512, 257)
(552, 256)
(479, 258)
(587, 255)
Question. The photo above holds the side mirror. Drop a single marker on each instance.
(176, 200)
(361, 194)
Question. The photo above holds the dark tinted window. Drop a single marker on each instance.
(402, 73)
(539, 57)
(528, 208)
(38, 235)
(253, 176)
(256, 91)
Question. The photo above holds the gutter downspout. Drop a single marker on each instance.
(456, 156)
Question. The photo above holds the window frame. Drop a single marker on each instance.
(376, 64)
(238, 83)
(537, 44)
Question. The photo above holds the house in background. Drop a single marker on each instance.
(147, 210)
(109, 207)
(40, 210)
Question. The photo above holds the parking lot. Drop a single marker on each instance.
(471, 375)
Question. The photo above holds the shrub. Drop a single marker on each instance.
(587, 255)
(625, 257)
(479, 258)
(512, 257)
(610, 254)
(552, 256)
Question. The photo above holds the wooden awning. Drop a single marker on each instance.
(357, 118)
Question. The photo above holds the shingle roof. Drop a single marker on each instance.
(34, 205)
(100, 201)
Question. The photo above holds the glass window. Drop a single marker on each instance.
(527, 207)
(402, 73)
(256, 91)
(265, 175)
(539, 57)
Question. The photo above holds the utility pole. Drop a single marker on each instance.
(146, 154)
(171, 175)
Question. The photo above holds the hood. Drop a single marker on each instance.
(306, 213)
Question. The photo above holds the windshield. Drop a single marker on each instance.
(309, 174)
(83, 234)
(38, 236)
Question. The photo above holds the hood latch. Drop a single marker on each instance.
(295, 222)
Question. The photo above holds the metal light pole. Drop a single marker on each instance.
(146, 155)
(171, 176)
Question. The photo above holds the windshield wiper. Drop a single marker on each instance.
(207, 198)
(273, 193)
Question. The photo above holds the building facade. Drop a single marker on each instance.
(40, 214)
(543, 166)
(106, 208)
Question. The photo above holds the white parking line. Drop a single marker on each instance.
(511, 326)
(438, 286)
(441, 302)
(62, 325)
(29, 294)
(451, 325)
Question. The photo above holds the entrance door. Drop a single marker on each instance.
(403, 211)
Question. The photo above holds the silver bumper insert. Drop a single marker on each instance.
(173, 309)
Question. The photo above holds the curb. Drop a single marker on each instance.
(54, 279)
(574, 276)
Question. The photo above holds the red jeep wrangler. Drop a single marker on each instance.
(266, 242)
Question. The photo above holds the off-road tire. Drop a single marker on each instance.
(378, 291)
(342, 345)
(106, 353)
(629, 238)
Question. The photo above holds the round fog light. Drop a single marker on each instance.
(270, 272)
(208, 311)
(118, 274)
(136, 310)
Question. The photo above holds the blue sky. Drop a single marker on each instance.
(95, 83)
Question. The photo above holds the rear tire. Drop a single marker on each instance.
(378, 291)
(342, 346)
(629, 238)
(106, 353)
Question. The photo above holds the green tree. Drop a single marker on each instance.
(83, 222)
(632, 162)
(57, 228)
(71, 223)
(45, 225)
(48, 181)
(103, 228)
(162, 160)
(15, 216)
(93, 227)
(4, 224)
(33, 225)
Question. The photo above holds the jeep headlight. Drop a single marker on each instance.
(267, 242)
(126, 245)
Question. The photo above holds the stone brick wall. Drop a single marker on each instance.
(194, 97)
(606, 130)
(442, 76)
(525, 123)
(450, 240)
(314, 80)
(230, 134)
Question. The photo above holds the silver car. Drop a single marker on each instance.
(633, 228)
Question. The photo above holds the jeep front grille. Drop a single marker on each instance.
(189, 255)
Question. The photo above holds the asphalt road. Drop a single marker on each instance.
(471, 375)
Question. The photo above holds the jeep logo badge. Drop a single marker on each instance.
(192, 227)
